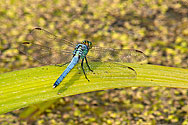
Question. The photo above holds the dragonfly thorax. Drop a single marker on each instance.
(81, 50)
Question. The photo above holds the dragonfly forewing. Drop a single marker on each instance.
(47, 38)
(117, 55)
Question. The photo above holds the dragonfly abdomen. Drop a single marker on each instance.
(67, 70)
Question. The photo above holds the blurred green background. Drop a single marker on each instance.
(158, 28)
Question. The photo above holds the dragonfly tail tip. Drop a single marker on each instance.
(54, 86)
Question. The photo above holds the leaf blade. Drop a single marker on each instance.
(25, 87)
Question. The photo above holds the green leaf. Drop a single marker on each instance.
(22, 88)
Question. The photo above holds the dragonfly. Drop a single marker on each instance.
(48, 48)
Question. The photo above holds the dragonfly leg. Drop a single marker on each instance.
(83, 69)
(60, 65)
(88, 65)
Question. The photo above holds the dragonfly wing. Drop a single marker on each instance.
(45, 37)
(46, 48)
(117, 55)
(110, 57)
(110, 71)
(44, 55)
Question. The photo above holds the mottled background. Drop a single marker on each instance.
(158, 28)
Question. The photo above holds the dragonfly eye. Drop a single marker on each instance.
(88, 43)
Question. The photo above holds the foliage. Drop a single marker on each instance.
(31, 86)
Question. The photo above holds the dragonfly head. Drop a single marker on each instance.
(87, 43)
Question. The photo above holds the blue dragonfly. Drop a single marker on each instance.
(47, 48)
